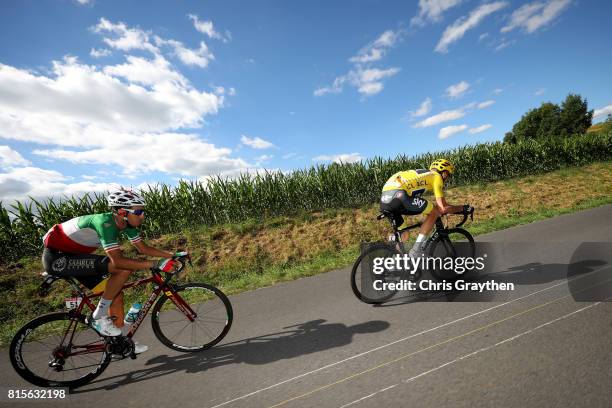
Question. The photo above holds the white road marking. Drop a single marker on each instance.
(250, 394)
(509, 339)
(368, 396)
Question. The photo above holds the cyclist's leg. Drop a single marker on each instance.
(415, 205)
(389, 202)
(432, 214)
(116, 310)
(114, 285)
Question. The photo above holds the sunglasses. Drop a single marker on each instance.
(135, 212)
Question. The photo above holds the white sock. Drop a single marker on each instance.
(102, 309)
(420, 239)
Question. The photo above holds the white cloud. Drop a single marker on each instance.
(503, 44)
(441, 117)
(451, 130)
(423, 110)
(289, 155)
(533, 16)
(124, 38)
(336, 87)
(485, 104)
(339, 158)
(367, 81)
(102, 116)
(497, 91)
(264, 158)
(184, 154)
(199, 57)
(255, 142)
(99, 53)
(457, 30)
(84, 2)
(11, 158)
(135, 116)
(69, 106)
(457, 90)
(480, 129)
(206, 28)
(483, 36)
(539, 92)
(40, 183)
(432, 10)
(147, 72)
(377, 49)
(602, 112)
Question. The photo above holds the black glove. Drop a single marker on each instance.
(468, 209)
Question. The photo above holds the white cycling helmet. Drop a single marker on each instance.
(124, 198)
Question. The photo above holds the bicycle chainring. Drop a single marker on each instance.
(120, 347)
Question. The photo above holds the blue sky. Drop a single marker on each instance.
(96, 93)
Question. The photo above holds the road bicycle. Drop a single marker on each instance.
(62, 349)
(445, 242)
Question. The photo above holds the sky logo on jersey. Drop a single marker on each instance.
(418, 202)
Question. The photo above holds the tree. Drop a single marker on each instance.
(575, 117)
(550, 120)
(535, 124)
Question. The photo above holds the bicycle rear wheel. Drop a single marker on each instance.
(363, 277)
(214, 316)
(58, 350)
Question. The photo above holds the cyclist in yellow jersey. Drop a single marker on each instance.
(402, 195)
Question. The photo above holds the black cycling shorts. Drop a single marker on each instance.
(399, 203)
(89, 269)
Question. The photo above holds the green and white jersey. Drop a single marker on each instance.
(83, 235)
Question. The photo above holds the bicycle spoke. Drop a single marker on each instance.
(205, 329)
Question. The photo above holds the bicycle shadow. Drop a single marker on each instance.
(532, 273)
(302, 339)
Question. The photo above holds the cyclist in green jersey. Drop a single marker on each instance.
(68, 252)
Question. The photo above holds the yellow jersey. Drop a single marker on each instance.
(416, 182)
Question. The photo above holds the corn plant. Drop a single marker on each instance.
(219, 200)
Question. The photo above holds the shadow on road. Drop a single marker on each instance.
(299, 340)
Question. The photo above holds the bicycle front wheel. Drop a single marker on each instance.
(214, 316)
(58, 350)
(452, 243)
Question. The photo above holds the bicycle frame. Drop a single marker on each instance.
(161, 285)
(439, 228)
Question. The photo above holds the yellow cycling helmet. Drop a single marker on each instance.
(441, 165)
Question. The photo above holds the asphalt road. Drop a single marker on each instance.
(311, 343)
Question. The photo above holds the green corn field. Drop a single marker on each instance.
(222, 200)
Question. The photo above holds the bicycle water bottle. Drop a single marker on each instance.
(132, 314)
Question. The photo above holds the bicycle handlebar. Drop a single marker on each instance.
(465, 217)
(181, 260)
